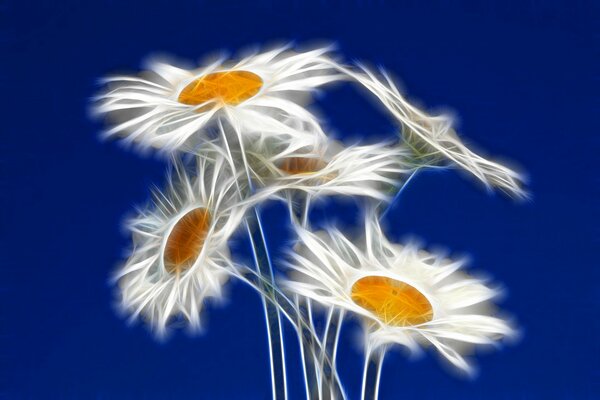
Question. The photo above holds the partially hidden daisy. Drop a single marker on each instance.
(330, 168)
(180, 256)
(169, 107)
(402, 294)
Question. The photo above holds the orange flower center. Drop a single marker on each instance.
(302, 165)
(228, 87)
(185, 242)
(394, 302)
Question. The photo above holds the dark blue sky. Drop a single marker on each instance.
(519, 74)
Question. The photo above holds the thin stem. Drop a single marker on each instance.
(305, 211)
(332, 336)
(328, 382)
(265, 269)
(397, 196)
(307, 346)
(288, 308)
(330, 385)
(272, 317)
(337, 336)
(372, 374)
(309, 364)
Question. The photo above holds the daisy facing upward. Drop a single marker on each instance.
(401, 294)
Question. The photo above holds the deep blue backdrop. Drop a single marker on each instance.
(519, 74)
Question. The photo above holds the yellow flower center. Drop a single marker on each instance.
(302, 165)
(185, 242)
(228, 87)
(394, 302)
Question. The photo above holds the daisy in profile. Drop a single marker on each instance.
(168, 107)
(179, 255)
(402, 295)
(432, 138)
(330, 168)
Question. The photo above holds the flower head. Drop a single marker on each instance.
(402, 295)
(180, 255)
(432, 137)
(171, 107)
(332, 169)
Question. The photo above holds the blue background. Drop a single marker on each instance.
(519, 74)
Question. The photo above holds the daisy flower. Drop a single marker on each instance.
(179, 255)
(168, 107)
(402, 295)
(329, 168)
(433, 137)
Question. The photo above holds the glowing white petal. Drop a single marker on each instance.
(146, 287)
(147, 111)
(325, 266)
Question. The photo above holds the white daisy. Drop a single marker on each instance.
(403, 295)
(261, 94)
(332, 169)
(433, 137)
(180, 255)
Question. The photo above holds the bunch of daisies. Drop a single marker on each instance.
(237, 134)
